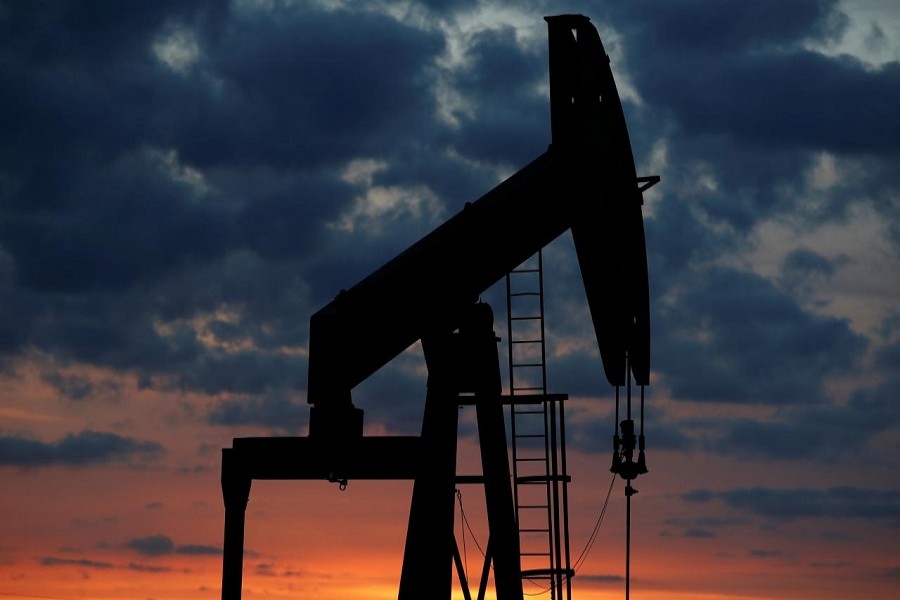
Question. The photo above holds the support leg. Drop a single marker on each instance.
(498, 496)
(236, 492)
(427, 572)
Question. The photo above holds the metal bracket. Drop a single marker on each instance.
(648, 182)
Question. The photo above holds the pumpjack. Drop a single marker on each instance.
(585, 182)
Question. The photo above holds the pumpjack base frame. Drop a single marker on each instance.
(387, 458)
(429, 460)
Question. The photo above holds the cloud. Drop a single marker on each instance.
(199, 550)
(752, 77)
(280, 412)
(508, 121)
(183, 183)
(601, 578)
(74, 387)
(153, 545)
(181, 220)
(802, 270)
(800, 503)
(706, 527)
(148, 568)
(206, 178)
(52, 561)
(732, 336)
(698, 533)
(162, 545)
(762, 553)
(75, 450)
(699, 26)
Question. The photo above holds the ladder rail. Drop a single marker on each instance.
(541, 444)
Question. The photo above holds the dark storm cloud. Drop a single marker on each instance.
(126, 222)
(734, 337)
(249, 372)
(511, 122)
(448, 175)
(705, 26)
(134, 193)
(740, 69)
(802, 268)
(138, 196)
(80, 86)
(719, 334)
(888, 358)
(701, 527)
(73, 450)
(73, 387)
(277, 411)
(593, 433)
(739, 98)
(112, 330)
(76, 32)
(819, 433)
(789, 504)
(803, 100)
(297, 91)
(311, 82)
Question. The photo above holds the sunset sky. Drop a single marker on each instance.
(183, 183)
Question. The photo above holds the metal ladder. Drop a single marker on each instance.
(537, 430)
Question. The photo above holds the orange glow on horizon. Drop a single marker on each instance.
(67, 528)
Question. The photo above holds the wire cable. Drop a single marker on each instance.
(462, 513)
(593, 537)
(463, 535)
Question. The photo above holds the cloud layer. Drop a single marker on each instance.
(182, 184)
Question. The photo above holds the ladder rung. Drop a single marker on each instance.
(531, 398)
(546, 573)
(535, 479)
(538, 400)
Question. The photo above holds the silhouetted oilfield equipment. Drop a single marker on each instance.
(585, 182)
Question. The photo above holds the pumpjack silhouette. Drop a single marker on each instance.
(585, 182)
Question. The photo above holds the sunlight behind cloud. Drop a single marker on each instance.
(207, 328)
(169, 162)
(872, 33)
(177, 48)
(865, 294)
(380, 207)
